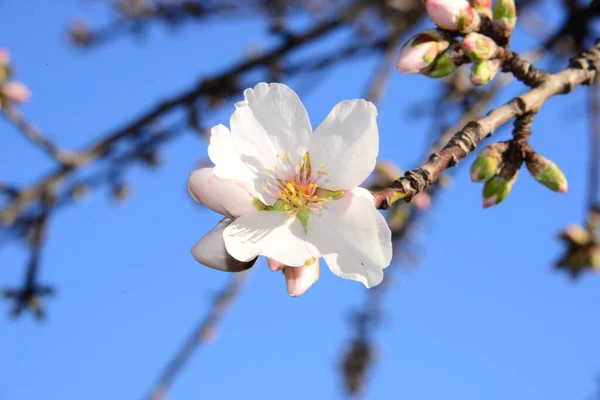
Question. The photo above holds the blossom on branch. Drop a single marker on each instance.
(291, 194)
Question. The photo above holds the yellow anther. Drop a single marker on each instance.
(277, 155)
(326, 199)
(286, 151)
(318, 172)
(284, 159)
(319, 203)
(300, 163)
(266, 171)
(268, 180)
(286, 207)
(293, 182)
(314, 185)
(276, 168)
(315, 197)
(322, 166)
(265, 188)
(326, 173)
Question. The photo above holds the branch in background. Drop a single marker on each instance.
(203, 333)
(32, 133)
(220, 86)
(594, 162)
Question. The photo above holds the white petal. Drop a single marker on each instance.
(227, 197)
(223, 154)
(352, 237)
(272, 234)
(270, 120)
(347, 142)
(299, 279)
(210, 251)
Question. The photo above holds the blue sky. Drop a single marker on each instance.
(484, 315)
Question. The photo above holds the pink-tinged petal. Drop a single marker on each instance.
(227, 197)
(412, 60)
(275, 265)
(16, 92)
(222, 152)
(211, 252)
(270, 120)
(353, 238)
(346, 143)
(299, 279)
(271, 234)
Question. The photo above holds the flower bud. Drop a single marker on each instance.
(497, 189)
(420, 51)
(483, 72)
(505, 10)
(576, 234)
(546, 172)
(487, 162)
(483, 6)
(453, 15)
(479, 47)
(15, 92)
(445, 64)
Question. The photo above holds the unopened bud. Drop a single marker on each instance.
(479, 47)
(421, 51)
(15, 92)
(505, 10)
(487, 162)
(483, 6)
(576, 234)
(453, 15)
(546, 172)
(497, 189)
(445, 64)
(483, 72)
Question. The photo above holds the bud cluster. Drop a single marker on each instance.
(437, 53)
(498, 166)
(10, 91)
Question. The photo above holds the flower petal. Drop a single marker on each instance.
(275, 265)
(347, 142)
(270, 120)
(210, 251)
(299, 279)
(272, 234)
(352, 237)
(227, 197)
(223, 154)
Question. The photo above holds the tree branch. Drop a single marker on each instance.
(581, 71)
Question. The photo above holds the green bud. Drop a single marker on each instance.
(507, 11)
(546, 172)
(497, 189)
(445, 64)
(479, 47)
(483, 72)
(487, 162)
(483, 6)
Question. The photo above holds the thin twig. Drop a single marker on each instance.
(200, 335)
(594, 168)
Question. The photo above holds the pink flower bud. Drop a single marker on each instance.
(453, 15)
(479, 47)
(299, 279)
(421, 51)
(15, 92)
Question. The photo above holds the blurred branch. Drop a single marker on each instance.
(222, 85)
(37, 137)
(202, 334)
(594, 168)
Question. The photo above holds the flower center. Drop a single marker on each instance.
(295, 185)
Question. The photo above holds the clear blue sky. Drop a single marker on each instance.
(483, 317)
